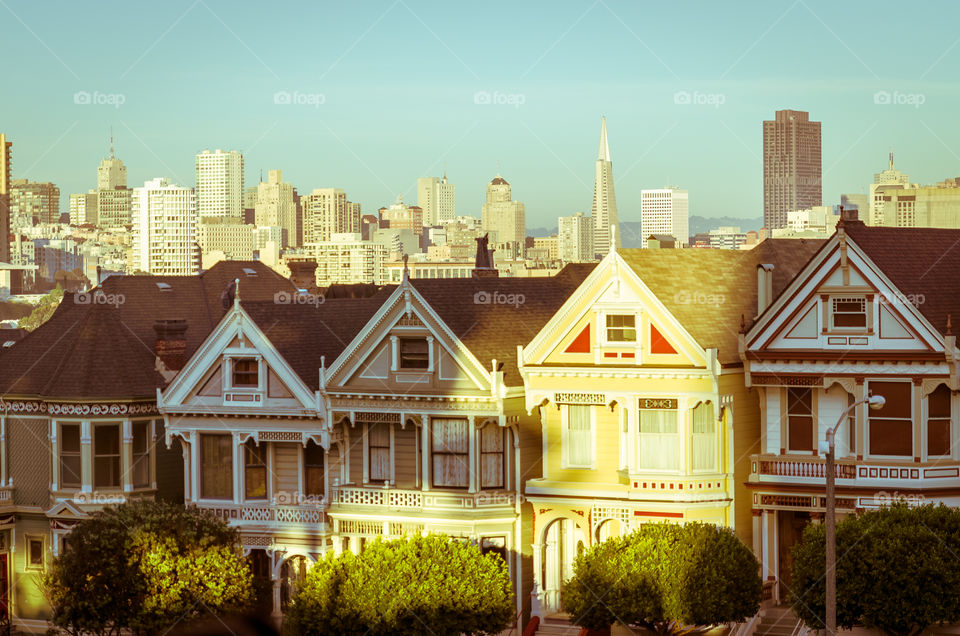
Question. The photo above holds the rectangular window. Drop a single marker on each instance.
(704, 438)
(216, 466)
(621, 328)
(71, 475)
(451, 453)
(891, 427)
(491, 456)
(254, 471)
(313, 469)
(579, 443)
(35, 553)
(106, 456)
(659, 441)
(246, 373)
(938, 422)
(140, 470)
(849, 313)
(414, 353)
(799, 419)
(378, 443)
(624, 439)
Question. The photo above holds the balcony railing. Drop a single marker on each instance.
(790, 469)
(810, 467)
(417, 500)
(265, 514)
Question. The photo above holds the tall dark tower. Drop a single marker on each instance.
(792, 171)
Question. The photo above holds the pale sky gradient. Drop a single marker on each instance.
(398, 80)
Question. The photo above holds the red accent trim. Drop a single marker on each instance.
(628, 355)
(580, 344)
(647, 513)
(609, 354)
(659, 344)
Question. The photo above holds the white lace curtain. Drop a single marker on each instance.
(451, 452)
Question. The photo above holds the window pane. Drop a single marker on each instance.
(938, 402)
(313, 465)
(659, 442)
(898, 399)
(579, 436)
(140, 470)
(106, 456)
(414, 353)
(491, 456)
(891, 437)
(70, 462)
(255, 473)
(704, 438)
(245, 372)
(216, 465)
(621, 328)
(799, 419)
(451, 460)
(70, 438)
(378, 441)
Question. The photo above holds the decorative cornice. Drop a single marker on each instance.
(41, 407)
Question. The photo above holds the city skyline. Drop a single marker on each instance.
(340, 115)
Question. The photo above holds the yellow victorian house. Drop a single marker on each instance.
(639, 384)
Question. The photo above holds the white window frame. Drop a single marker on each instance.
(849, 298)
(228, 377)
(925, 429)
(27, 566)
(621, 343)
(716, 438)
(565, 442)
(680, 416)
(868, 451)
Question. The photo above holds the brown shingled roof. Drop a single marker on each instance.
(709, 290)
(106, 352)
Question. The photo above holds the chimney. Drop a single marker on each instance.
(764, 286)
(171, 346)
(303, 274)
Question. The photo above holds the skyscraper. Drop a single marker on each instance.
(113, 195)
(437, 198)
(575, 238)
(503, 216)
(665, 211)
(220, 184)
(4, 198)
(792, 178)
(164, 229)
(325, 213)
(32, 203)
(83, 208)
(275, 207)
(604, 211)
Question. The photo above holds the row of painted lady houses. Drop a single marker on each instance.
(528, 416)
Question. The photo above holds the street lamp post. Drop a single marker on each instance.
(828, 447)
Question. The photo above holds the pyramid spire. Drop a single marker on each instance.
(603, 152)
(111, 142)
(891, 159)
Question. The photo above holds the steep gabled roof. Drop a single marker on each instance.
(105, 350)
(922, 262)
(709, 290)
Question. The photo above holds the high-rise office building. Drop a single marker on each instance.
(83, 208)
(438, 199)
(665, 211)
(164, 229)
(402, 217)
(276, 207)
(889, 177)
(220, 184)
(503, 217)
(792, 178)
(5, 156)
(604, 211)
(326, 212)
(32, 203)
(113, 195)
(575, 238)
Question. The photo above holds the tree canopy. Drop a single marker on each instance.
(145, 567)
(663, 577)
(418, 585)
(897, 570)
(43, 310)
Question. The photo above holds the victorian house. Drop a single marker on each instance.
(869, 314)
(639, 387)
(320, 424)
(79, 425)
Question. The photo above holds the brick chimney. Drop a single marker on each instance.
(171, 346)
(303, 274)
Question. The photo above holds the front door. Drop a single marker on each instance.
(790, 530)
(561, 539)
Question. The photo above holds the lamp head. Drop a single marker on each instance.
(876, 402)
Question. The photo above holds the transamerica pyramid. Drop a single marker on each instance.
(604, 210)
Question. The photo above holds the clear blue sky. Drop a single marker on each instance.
(399, 79)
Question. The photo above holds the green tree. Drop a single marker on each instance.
(44, 310)
(897, 570)
(417, 585)
(665, 578)
(144, 567)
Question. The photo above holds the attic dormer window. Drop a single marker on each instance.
(246, 373)
(849, 312)
(414, 353)
(621, 328)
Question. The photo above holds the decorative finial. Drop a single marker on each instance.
(236, 292)
(743, 324)
(613, 238)
(406, 269)
(949, 324)
(111, 141)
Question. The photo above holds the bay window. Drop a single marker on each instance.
(216, 466)
(313, 469)
(659, 441)
(491, 456)
(704, 438)
(140, 469)
(254, 471)
(890, 429)
(106, 455)
(799, 419)
(578, 438)
(378, 445)
(71, 459)
(450, 452)
(938, 422)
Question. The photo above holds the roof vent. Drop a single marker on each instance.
(250, 272)
(164, 286)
